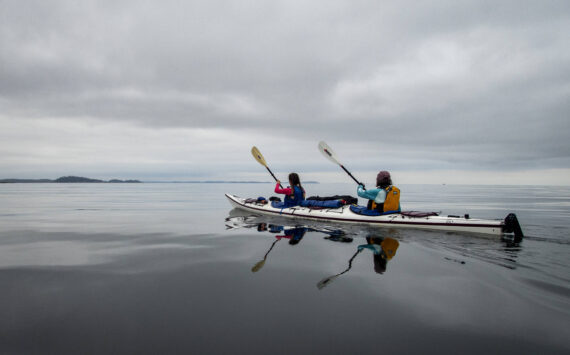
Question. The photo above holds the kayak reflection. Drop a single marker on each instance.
(383, 250)
(450, 246)
(294, 234)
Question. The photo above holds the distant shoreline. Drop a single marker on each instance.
(66, 179)
(78, 179)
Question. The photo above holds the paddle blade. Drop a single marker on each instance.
(258, 266)
(327, 152)
(257, 155)
(327, 280)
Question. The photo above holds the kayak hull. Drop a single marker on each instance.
(345, 215)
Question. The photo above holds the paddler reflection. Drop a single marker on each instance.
(294, 234)
(383, 250)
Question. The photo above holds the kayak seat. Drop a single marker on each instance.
(362, 210)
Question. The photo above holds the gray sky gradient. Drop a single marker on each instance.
(435, 91)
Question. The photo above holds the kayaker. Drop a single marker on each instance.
(294, 194)
(385, 198)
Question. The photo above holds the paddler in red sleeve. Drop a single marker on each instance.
(294, 194)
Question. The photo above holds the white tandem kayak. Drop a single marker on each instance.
(345, 214)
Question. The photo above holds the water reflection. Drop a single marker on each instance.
(383, 250)
(294, 234)
(455, 246)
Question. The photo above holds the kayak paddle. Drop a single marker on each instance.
(260, 264)
(327, 280)
(330, 155)
(261, 160)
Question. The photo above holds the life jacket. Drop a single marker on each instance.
(295, 198)
(391, 203)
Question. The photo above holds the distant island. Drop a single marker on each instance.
(80, 179)
(67, 179)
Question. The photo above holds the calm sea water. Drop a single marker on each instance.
(170, 268)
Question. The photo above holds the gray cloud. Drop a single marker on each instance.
(483, 80)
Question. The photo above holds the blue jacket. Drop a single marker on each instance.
(295, 199)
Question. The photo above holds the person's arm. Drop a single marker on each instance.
(369, 194)
(279, 190)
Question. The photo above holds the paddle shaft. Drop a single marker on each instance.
(349, 174)
(281, 186)
(329, 279)
(349, 263)
(272, 245)
(329, 154)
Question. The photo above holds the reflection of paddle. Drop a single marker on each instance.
(327, 280)
(260, 264)
(257, 155)
(330, 155)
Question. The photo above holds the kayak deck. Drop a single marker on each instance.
(345, 215)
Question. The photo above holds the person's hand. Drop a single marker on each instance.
(279, 182)
(362, 185)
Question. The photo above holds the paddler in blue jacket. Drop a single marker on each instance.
(294, 194)
(385, 198)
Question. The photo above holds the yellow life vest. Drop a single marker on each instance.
(392, 202)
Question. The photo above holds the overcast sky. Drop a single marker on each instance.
(434, 91)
